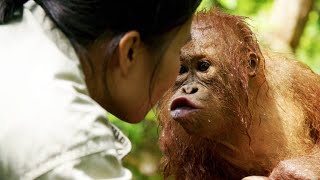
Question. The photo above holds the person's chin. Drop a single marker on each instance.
(134, 116)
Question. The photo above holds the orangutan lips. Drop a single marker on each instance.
(181, 108)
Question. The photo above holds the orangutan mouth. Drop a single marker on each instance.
(181, 108)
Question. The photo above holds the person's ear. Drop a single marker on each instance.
(129, 46)
(253, 64)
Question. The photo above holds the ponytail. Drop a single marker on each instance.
(10, 9)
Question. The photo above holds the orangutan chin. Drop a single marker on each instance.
(236, 111)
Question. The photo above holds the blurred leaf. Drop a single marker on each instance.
(309, 48)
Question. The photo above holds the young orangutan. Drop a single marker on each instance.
(235, 111)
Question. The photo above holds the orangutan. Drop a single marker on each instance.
(237, 111)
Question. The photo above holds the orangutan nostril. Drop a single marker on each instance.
(190, 89)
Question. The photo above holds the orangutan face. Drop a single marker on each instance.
(207, 93)
(199, 98)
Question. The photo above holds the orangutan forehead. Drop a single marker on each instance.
(205, 42)
(218, 27)
(213, 33)
(200, 48)
(206, 37)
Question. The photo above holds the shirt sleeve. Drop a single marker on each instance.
(92, 167)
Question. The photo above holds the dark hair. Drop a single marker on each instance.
(10, 9)
(84, 21)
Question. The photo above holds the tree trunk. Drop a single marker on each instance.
(288, 20)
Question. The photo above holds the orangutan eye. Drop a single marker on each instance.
(203, 66)
(183, 69)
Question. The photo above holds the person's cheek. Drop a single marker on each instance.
(175, 70)
(166, 77)
(172, 68)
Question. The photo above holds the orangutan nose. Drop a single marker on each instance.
(189, 89)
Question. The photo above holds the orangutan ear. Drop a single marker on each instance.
(253, 64)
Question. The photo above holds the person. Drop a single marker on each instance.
(65, 63)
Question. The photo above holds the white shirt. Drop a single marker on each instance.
(49, 126)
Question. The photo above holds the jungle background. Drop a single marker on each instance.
(291, 27)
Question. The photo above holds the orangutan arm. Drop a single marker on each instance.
(305, 167)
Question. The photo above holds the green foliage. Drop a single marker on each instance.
(239, 7)
(309, 47)
(206, 4)
(144, 140)
(147, 130)
(246, 7)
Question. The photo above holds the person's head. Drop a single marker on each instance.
(129, 49)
